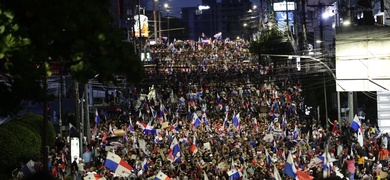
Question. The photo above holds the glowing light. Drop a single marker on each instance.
(203, 7)
(347, 23)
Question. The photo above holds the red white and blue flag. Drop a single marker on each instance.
(119, 166)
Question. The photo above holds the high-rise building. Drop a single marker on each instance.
(189, 14)
(230, 17)
(225, 16)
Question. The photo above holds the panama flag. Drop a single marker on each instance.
(115, 163)
(356, 125)
(225, 121)
(158, 138)
(29, 168)
(148, 129)
(284, 122)
(174, 151)
(94, 177)
(182, 101)
(268, 157)
(255, 125)
(218, 35)
(289, 167)
(316, 161)
(110, 129)
(206, 121)
(296, 133)
(360, 136)
(195, 121)
(378, 134)
(154, 113)
(72, 129)
(145, 165)
(174, 128)
(97, 117)
(219, 102)
(130, 128)
(276, 174)
(233, 173)
(275, 148)
(160, 116)
(327, 164)
(271, 127)
(236, 121)
(161, 176)
(193, 148)
(141, 125)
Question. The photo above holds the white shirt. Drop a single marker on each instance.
(339, 150)
(384, 141)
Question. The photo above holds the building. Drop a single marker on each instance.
(226, 16)
(189, 14)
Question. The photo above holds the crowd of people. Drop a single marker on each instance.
(213, 110)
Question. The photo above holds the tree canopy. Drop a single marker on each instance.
(77, 33)
(271, 42)
(21, 140)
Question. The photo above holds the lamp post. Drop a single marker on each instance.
(159, 19)
(88, 96)
(154, 22)
(166, 6)
(330, 71)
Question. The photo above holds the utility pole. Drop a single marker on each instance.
(45, 124)
(88, 126)
(60, 91)
(140, 28)
(321, 6)
(350, 106)
(155, 22)
(339, 111)
(326, 104)
(82, 128)
(168, 25)
(159, 19)
(303, 4)
(287, 23)
(77, 115)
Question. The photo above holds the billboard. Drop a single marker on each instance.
(143, 27)
(75, 147)
(363, 58)
(383, 105)
(282, 6)
(281, 19)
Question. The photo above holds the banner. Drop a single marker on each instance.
(144, 25)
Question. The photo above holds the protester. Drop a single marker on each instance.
(212, 109)
(75, 169)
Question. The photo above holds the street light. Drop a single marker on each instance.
(330, 71)
(166, 6)
(90, 97)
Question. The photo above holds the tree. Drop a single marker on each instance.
(17, 73)
(271, 42)
(78, 33)
(21, 139)
(34, 123)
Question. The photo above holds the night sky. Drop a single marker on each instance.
(176, 5)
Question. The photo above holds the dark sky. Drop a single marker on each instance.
(176, 5)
